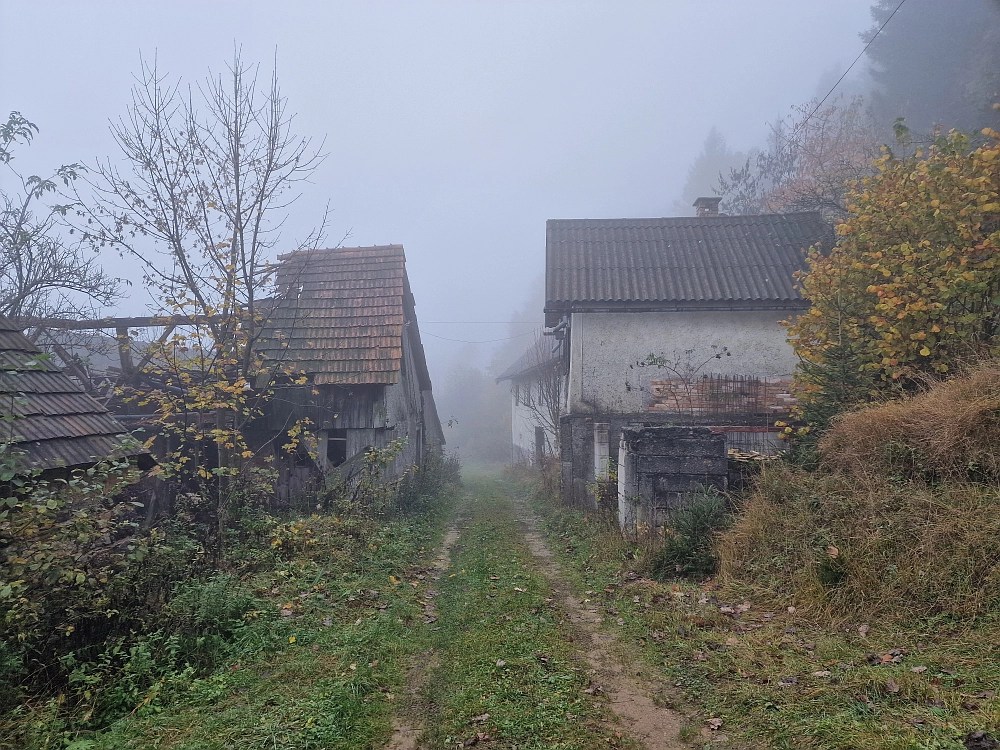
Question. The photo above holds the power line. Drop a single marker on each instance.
(851, 66)
(488, 341)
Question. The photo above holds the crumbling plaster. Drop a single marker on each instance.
(606, 348)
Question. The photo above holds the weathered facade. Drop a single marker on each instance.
(536, 385)
(674, 321)
(47, 418)
(660, 468)
(346, 323)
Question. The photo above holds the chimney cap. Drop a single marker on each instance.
(708, 206)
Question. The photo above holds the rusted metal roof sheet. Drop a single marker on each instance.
(677, 262)
(341, 315)
(47, 415)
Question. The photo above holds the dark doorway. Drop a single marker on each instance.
(336, 447)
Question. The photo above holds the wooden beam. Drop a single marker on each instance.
(152, 321)
(124, 350)
(72, 363)
(152, 347)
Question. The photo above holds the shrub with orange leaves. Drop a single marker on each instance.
(912, 289)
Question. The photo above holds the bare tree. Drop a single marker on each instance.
(812, 157)
(208, 176)
(42, 272)
(206, 179)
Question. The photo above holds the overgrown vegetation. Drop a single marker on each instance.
(910, 291)
(687, 547)
(101, 620)
(855, 606)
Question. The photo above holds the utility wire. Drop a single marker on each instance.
(488, 341)
(851, 66)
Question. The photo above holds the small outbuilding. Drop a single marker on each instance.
(345, 329)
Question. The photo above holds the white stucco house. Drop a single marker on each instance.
(537, 395)
(674, 321)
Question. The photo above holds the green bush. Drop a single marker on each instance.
(688, 538)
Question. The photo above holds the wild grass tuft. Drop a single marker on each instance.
(689, 534)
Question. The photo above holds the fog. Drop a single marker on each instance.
(453, 128)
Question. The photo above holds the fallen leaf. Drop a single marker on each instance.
(479, 719)
(791, 610)
(501, 663)
(891, 686)
(327, 622)
(520, 590)
(788, 681)
(833, 552)
(863, 630)
(918, 670)
(822, 673)
(714, 724)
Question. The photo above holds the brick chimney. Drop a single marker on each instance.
(708, 206)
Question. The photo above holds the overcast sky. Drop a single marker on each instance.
(453, 128)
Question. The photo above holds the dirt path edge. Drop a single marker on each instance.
(630, 697)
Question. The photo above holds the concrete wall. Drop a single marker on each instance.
(605, 349)
(660, 468)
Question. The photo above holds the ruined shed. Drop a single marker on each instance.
(47, 418)
(346, 322)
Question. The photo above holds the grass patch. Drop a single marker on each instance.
(790, 679)
(325, 628)
(504, 648)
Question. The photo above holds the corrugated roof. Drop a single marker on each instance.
(538, 356)
(342, 315)
(46, 414)
(684, 261)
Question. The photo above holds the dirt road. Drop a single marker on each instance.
(500, 602)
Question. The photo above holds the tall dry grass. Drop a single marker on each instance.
(904, 522)
(951, 431)
(841, 547)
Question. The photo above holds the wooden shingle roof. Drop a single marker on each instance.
(341, 315)
(47, 415)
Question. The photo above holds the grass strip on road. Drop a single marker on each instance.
(508, 670)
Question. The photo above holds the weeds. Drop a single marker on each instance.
(689, 538)
(171, 626)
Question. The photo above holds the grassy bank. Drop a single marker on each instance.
(781, 672)
(504, 651)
